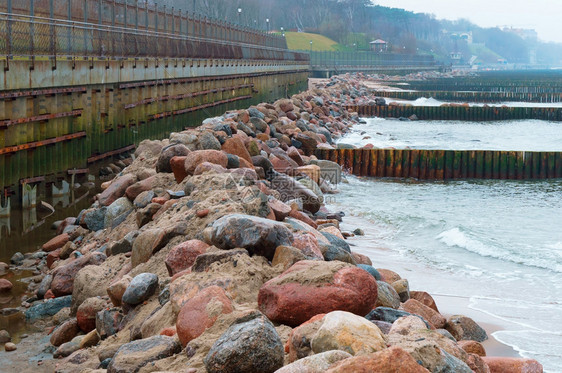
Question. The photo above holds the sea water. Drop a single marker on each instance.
(501, 241)
(515, 135)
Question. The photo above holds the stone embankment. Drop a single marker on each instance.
(213, 252)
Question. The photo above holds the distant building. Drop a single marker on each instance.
(461, 35)
(455, 56)
(379, 46)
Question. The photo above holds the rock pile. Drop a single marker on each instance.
(213, 252)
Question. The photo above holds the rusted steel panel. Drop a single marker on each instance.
(36, 144)
(11, 122)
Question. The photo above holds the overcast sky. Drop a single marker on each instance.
(545, 16)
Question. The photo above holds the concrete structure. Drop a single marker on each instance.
(77, 90)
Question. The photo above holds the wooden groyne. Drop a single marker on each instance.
(458, 112)
(463, 96)
(447, 164)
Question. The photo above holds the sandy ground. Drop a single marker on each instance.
(34, 355)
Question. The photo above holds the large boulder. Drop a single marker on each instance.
(434, 351)
(141, 288)
(463, 327)
(236, 146)
(131, 357)
(345, 331)
(512, 365)
(174, 150)
(65, 332)
(197, 157)
(290, 189)
(116, 189)
(63, 276)
(259, 236)
(48, 308)
(318, 363)
(87, 311)
(182, 256)
(200, 313)
(390, 360)
(430, 315)
(311, 287)
(250, 346)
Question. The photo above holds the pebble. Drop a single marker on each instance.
(10, 347)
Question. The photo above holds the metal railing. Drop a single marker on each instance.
(368, 59)
(129, 14)
(29, 36)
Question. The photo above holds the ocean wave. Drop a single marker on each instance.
(455, 237)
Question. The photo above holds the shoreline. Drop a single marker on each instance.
(448, 304)
(226, 214)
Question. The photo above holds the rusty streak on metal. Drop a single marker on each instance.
(147, 101)
(32, 180)
(78, 171)
(38, 118)
(40, 92)
(37, 144)
(109, 154)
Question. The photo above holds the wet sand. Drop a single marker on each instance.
(421, 277)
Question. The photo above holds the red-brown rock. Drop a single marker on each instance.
(361, 259)
(178, 168)
(512, 365)
(303, 217)
(472, 347)
(49, 294)
(280, 209)
(200, 313)
(202, 213)
(294, 154)
(117, 189)
(199, 156)
(63, 276)
(86, 313)
(5, 285)
(308, 245)
(235, 145)
(182, 256)
(425, 298)
(53, 257)
(65, 332)
(310, 287)
(390, 360)
(477, 364)
(56, 242)
(170, 332)
(283, 165)
(142, 186)
(388, 276)
(433, 317)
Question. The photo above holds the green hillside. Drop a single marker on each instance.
(301, 41)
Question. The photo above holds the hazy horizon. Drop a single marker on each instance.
(541, 15)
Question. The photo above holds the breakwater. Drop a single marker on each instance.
(446, 164)
(458, 112)
(485, 97)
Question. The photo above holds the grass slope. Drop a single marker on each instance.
(301, 41)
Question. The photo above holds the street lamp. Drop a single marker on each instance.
(240, 16)
(311, 46)
(194, 5)
(282, 32)
(267, 22)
